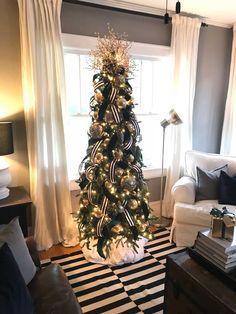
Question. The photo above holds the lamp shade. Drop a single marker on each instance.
(6, 138)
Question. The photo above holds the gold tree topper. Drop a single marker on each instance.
(111, 54)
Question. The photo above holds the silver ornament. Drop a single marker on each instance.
(96, 130)
(128, 183)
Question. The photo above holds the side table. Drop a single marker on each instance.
(16, 204)
(191, 289)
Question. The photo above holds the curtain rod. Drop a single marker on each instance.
(106, 7)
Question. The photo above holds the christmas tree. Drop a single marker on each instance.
(114, 211)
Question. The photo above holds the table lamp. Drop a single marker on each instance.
(6, 148)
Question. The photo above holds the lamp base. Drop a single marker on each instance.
(4, 192)
(5, 179)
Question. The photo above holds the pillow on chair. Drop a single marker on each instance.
(208, 183)
(227, 190)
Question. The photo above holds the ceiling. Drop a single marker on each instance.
(216, 12)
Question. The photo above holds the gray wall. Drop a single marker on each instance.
(211, 87)
(212, 73)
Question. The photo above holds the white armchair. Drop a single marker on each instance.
(190, 215)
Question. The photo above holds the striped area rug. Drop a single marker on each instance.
(130, 288)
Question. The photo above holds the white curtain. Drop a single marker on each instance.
(184, 46)
(228, 140)
(43, 92)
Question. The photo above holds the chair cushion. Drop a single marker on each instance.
(14, 294)
(52, 293)
(13, 236)
(227, 190)
(208, 183)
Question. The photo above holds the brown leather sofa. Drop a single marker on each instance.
(50, 289)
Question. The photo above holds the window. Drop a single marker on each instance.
(150, 89)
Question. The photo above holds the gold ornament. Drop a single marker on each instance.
(108, 185)
(85, 202)
(109, 117)
(121, 102)
(128, 183)
(95, 115)
(119, 172)
(96, 130)
(98, 158)
(143, 227)
(130, 127)
(107, 167)
(98, 96)
(118, 229)
(90, 175)
(130, 158)
(96, 212)
(133, 203)
(118, 154)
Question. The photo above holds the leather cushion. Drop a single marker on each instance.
(227, 191)
(52, 293)
(14, 294)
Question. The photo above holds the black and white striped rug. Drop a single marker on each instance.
(130, 288)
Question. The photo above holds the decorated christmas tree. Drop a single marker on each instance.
(114, 211)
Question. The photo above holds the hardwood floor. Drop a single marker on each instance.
(57, 250)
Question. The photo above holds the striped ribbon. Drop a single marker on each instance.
(115, 113)
(128, 144)
(136, 126)
(95, 149)
(137, 169)
(112, 170)
(103, 209)
(113, 94)
(98, 85)
(90, 192)
(90, 168)
(127, 215)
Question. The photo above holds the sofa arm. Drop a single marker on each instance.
(184, 189)
(32, 247)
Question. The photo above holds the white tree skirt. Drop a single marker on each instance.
(118, 255)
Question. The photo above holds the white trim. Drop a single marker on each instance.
(86, 43)
(150, 10)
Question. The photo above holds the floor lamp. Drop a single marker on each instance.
(175, 120)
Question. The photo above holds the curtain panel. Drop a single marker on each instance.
(43, 94)
(184, 47)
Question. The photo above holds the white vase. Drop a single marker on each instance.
(5, 179)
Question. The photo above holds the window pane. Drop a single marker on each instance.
(150, 84)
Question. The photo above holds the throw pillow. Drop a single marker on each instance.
(14, 294)
(208, 183)
(227, 191)
(13, 236)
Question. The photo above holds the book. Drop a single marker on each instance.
(222, 245)
(214, 255)
(226, 257)
(215, 261)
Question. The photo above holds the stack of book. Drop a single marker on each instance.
(220, 252)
